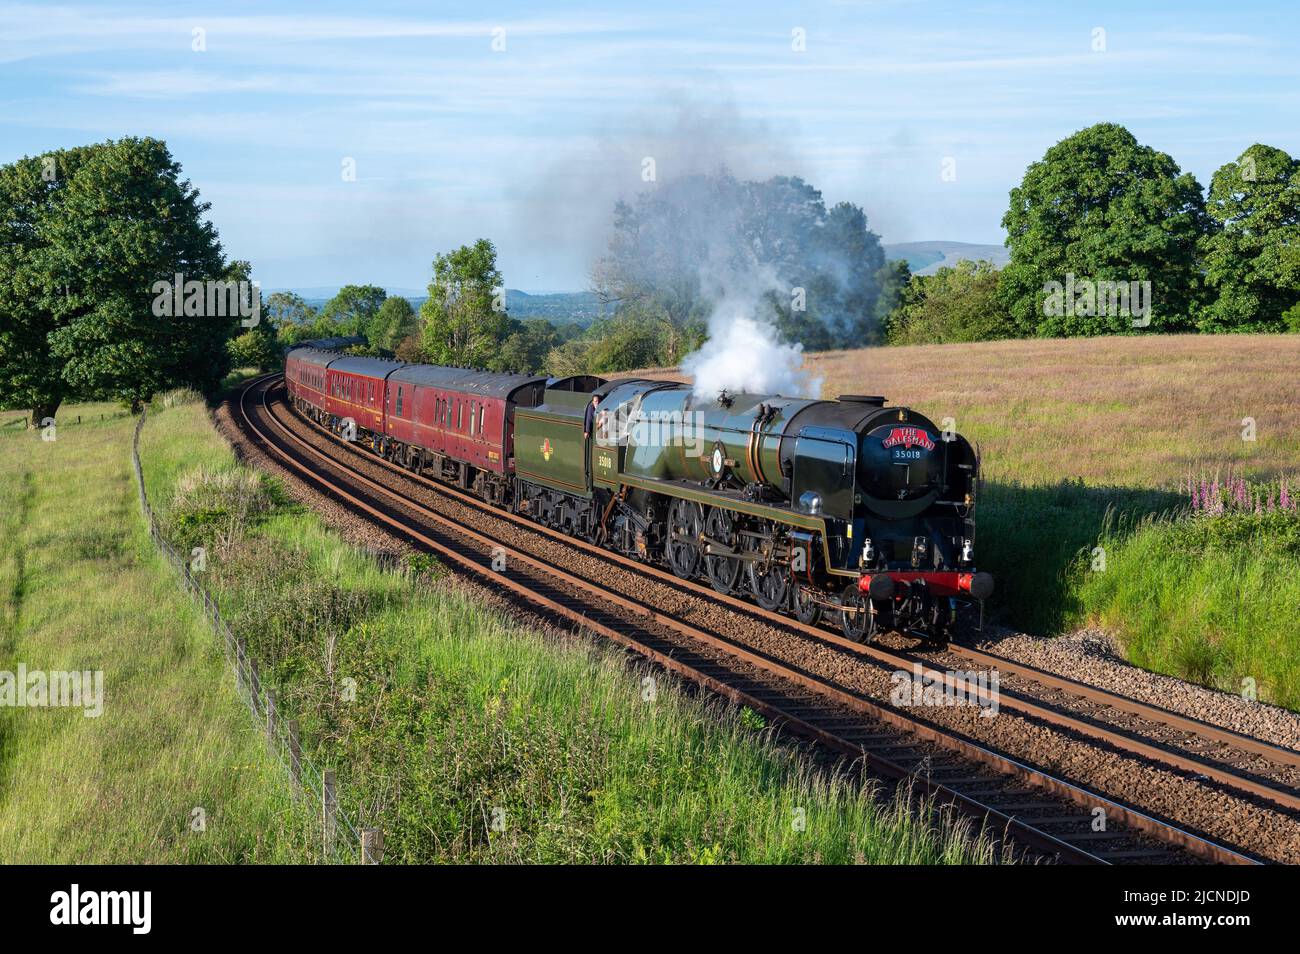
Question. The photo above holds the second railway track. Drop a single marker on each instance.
(1038, 809)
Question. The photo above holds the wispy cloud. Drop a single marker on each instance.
(453, 137)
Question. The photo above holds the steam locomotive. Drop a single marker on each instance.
(850, 507)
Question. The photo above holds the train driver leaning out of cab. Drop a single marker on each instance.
(589, 419)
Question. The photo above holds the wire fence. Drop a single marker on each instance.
(25, 422)
(341, 839)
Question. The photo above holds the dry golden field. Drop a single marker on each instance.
(1127, 411)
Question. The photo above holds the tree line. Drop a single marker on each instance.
(1106, 235)
(1109, 236)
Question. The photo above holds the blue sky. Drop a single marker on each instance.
(528, 145)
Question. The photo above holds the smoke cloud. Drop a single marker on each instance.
(714, 227)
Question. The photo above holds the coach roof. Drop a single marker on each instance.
(314, 356)
(465, 380)
(369, 367)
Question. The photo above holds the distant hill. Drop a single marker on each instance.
(926, 258)
(556, 307)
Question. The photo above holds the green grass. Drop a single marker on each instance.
(1212, 599)
(1029, 537)
(467, 737)
(82, 588)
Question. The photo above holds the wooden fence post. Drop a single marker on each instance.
(372, 846)
(270, 716)
(329, 808)
(254, 685)
(295, 756)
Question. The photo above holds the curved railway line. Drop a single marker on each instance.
(1036, 809)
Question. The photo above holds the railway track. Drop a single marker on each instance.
(1256, 767)
(1035, 809)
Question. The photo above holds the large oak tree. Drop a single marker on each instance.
(1252, 260)
(84, 235)
(1102, 207)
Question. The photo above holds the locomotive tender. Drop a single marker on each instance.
(849, 507)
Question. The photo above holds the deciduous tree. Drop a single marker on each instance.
(85, 234)
(1100, 206)
(395, 321)
(953, 305)
(464, 321)
(354, 310)
(1252, 260)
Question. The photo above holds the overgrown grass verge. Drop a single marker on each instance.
(1214, 599)
(1029, 537)
(173, 770)
(467, 737)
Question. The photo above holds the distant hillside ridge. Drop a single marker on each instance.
(581, 307)
(926, 258)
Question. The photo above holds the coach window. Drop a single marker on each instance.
(482, 409)
(473, 419)
(399, 400)
(460, 414)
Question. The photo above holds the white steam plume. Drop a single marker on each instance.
(744, 352)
